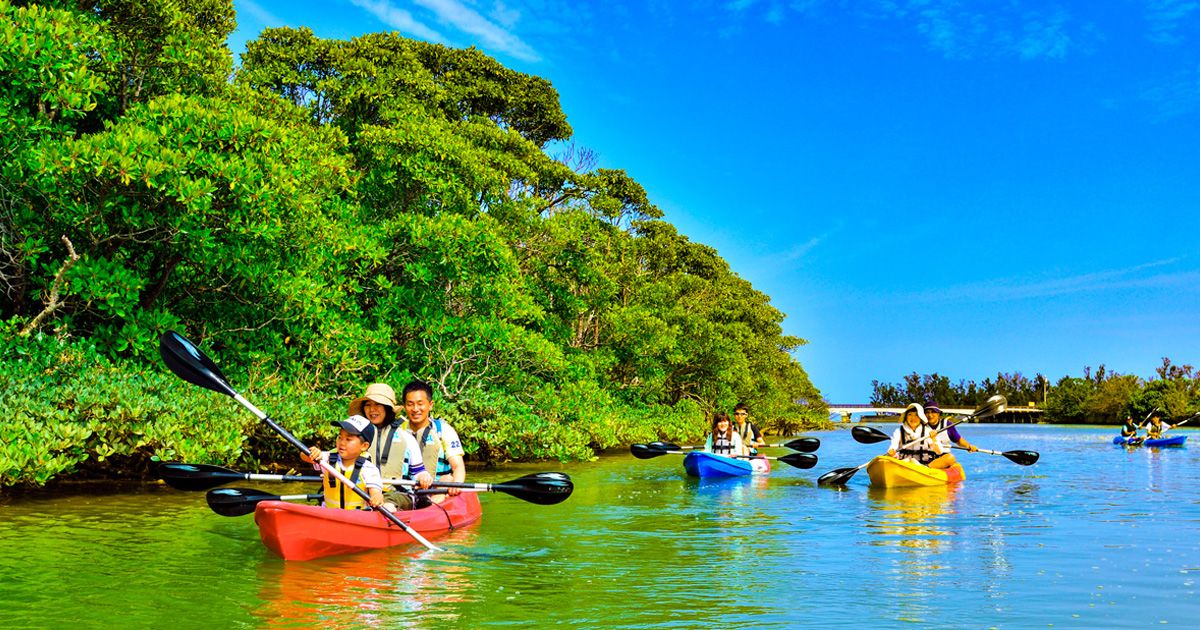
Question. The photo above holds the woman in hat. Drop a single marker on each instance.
(913, 439)
(395, 451)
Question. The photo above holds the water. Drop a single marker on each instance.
(1093, 535)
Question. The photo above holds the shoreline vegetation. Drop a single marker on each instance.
(327, 214)
(1099, 397)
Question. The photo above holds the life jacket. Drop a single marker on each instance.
(1129, 430)
(920, 451)
(943, 437)
(722, 445)
(336, 494)
(746, 431)
(381, 454)
(1154, 431)
(432, 452)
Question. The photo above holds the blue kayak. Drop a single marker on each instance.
(1174, 440)
(702, 464)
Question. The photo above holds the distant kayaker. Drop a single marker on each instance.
(913, 439)
(1155, 429)
(1129, 430)
(355, 437)
(723, 440)
(946, 437)
(751, 436)
(395, 451)
(441, 450)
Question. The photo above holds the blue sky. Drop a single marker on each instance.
(920, 185)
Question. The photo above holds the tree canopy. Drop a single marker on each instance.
(334, 213)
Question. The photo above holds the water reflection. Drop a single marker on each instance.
(383, 587)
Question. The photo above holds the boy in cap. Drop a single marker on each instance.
(353, 439)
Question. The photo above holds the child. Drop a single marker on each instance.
(355, 437)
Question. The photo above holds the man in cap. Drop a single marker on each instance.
(948, 435)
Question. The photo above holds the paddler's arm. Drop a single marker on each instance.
(458, 472)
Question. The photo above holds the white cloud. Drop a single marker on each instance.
(493, 37)
(1109, 280)
(256, 11)
(1164, 16)
(398, 19)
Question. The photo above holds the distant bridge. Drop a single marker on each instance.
(1014, 414)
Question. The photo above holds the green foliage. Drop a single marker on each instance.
(342, 212)
(1100, 397)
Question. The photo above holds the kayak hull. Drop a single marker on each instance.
(297, 531)
(889, 472)
(1174, 440)
(704, 465)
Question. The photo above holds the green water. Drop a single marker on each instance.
(1091, 536)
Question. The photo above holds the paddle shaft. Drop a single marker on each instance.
(469, 487)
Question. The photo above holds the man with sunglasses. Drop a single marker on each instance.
(751, 436)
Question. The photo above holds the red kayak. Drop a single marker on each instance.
(297, 531)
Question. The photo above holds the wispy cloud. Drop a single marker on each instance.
(1164, 16)
(399, 19)
(457, 15)
(960, 30)
(1109, 280)
(256, 11)
(1175, 95)
(800, 251)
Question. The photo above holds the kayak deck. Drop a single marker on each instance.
(889, 472)
(704, 464)
(297, 531)
(1174, 440)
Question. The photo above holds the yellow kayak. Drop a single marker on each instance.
(889, 472)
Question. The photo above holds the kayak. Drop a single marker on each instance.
(1127, 441)
(297, 531)
(703, 464)
(889, 472)
(1174, 440)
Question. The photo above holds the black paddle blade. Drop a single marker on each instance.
(236, 501)
(868, 435)
(666, 446)
(1024, 458)
(800, 460)
(804, 444)
(544, 488)
(190, 364)
(195, 476)
(645, 451)
(837, 477)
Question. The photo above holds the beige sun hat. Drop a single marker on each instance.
(378, 392)
(920, 412)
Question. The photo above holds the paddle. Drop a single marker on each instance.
(658, 449)
(804, 445)
(545, 488)
(183, 476)
(840, 476)
(189, 363)
(1024, 458)
(871, 435)
(243, 501)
